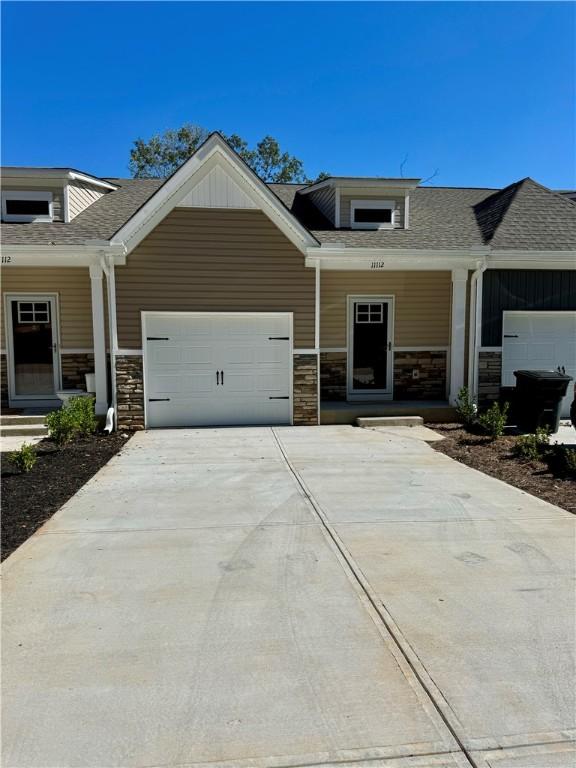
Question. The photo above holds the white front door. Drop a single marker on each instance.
(370, 355)
(32, 337)
(539, 341)
(208, 369)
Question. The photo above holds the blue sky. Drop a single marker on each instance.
(482, 91)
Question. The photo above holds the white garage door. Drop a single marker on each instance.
(204, 369)
(539, 341)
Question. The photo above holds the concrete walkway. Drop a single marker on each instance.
(291, 597)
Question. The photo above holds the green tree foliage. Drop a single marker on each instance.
(162, 154)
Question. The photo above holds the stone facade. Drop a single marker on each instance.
(3, 380)
(430, 383)
(130, 392)
(333, 375)
(489, 377)
(74, 367)
(305, 389)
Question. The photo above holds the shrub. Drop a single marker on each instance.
(75, 418)
(466, 408)
(562, 461)
(61, 426)
(25, 458)
(534, 446)
(494, 419)
(83, 415)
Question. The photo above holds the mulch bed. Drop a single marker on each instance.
(496, 458)
(29, 499)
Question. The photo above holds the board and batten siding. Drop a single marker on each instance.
(80, 196)
(345, 207)
(325, 200)
(422, 305)
(523, 289)
(215, 260)
(74, 299)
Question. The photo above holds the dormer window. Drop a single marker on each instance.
(372, 214)
(27, 206)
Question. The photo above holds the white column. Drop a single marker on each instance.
(458, 332)
(317, 334)
(99, 333)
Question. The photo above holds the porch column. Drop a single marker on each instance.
(99, 334)
(457, 333)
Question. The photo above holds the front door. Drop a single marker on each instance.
(370, 333)
(33, 348)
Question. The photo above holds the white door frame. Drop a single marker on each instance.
(32, 400)
(148, 313)
(388, 393)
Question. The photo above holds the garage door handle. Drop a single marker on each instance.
(281, 397)
(510, 335)
(158, 399)
(278, 338)
(157, 338)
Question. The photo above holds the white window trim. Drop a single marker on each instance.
(15, 194)
(386, 204)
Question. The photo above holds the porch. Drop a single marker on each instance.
(341, 412)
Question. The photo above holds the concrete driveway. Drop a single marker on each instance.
(291, 597)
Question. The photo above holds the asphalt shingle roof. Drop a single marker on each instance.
(524, 215)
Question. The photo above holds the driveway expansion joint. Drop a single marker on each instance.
(395, 634)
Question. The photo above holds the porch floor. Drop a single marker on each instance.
(340, 412)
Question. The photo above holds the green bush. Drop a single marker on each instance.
(25, 458)
(466, 408)
(61, 426)
(83, 415)
(534, 446)
(76, 418)
(562, 461)
(494, 419)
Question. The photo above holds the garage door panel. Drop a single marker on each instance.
(186, 354)
(539, 341)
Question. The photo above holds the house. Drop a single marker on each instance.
(213, 298)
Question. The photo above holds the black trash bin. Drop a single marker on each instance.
(538, 398)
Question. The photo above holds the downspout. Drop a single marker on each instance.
(108, 269)
(475, 327)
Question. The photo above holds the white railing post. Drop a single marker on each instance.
(458, 332)
(99, 333)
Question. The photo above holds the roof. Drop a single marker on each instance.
(524, 215)
(99, 221)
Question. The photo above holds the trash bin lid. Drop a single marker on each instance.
(539, 375)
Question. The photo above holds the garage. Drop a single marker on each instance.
(217, 369)
(539, 341)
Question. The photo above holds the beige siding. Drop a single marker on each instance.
(73, 289)
(325, 200)
(215, 260)
(80, 196)
(345, 201)
(422, 305)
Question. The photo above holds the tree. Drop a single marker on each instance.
(164, 153)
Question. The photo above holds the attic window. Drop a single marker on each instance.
(372, 214)
(27, 206)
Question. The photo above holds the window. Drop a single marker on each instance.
(27, 206)
(369, 313)
(372, 214)
(33, 312)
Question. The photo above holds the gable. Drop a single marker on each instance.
(214, 177)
